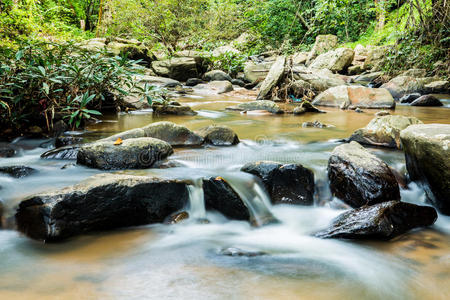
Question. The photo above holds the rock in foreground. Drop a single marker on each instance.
(381, 221)
(136, 153)
(357, 96)
(100, 202)
(384, 131)
(360, 178)
(221, 197)
(286, 184)
(218, 135)
(427, 153)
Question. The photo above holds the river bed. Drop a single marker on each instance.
(183, 261)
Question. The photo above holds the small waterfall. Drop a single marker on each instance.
(196, 199)
(254, 197)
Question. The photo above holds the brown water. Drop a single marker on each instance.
(182, 261)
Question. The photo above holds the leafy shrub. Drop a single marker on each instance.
(45, 82)
(229, 62)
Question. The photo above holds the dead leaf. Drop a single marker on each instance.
(118, 142)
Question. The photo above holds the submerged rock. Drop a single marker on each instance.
(101, 202)
(272, 79)
(382, 113)
(135, 153)
(380, 221)
(232, 251)
(360, 178)
(66, 152)
(384, 131)
(177, 110)
(317, 124)
(221, 197)
(218, 135)
(286, 184)
(426, 100)
(357, 96)
(268, 105)
(17, 171)
(306, 106)
(427, 153)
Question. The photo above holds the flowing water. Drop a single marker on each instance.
(184, 261)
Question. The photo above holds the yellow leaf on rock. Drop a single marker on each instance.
(119, 141)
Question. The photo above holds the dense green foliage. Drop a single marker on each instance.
(42, 83)
(50, 79)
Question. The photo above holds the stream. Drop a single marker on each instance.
(184, 261)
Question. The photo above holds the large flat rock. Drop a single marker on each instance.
(101, 202)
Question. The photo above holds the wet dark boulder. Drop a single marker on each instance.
(101, 202)
(380, 221)
(17, 171)
(238, 82)
(360, 178)
(427, 153)
(62, 141)
(193, 81)
(218, 135)
(138, 153)
(63, 153)
(286, 184)
(426, 100)
(409, 98)
(219, 196)
(6, 150)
